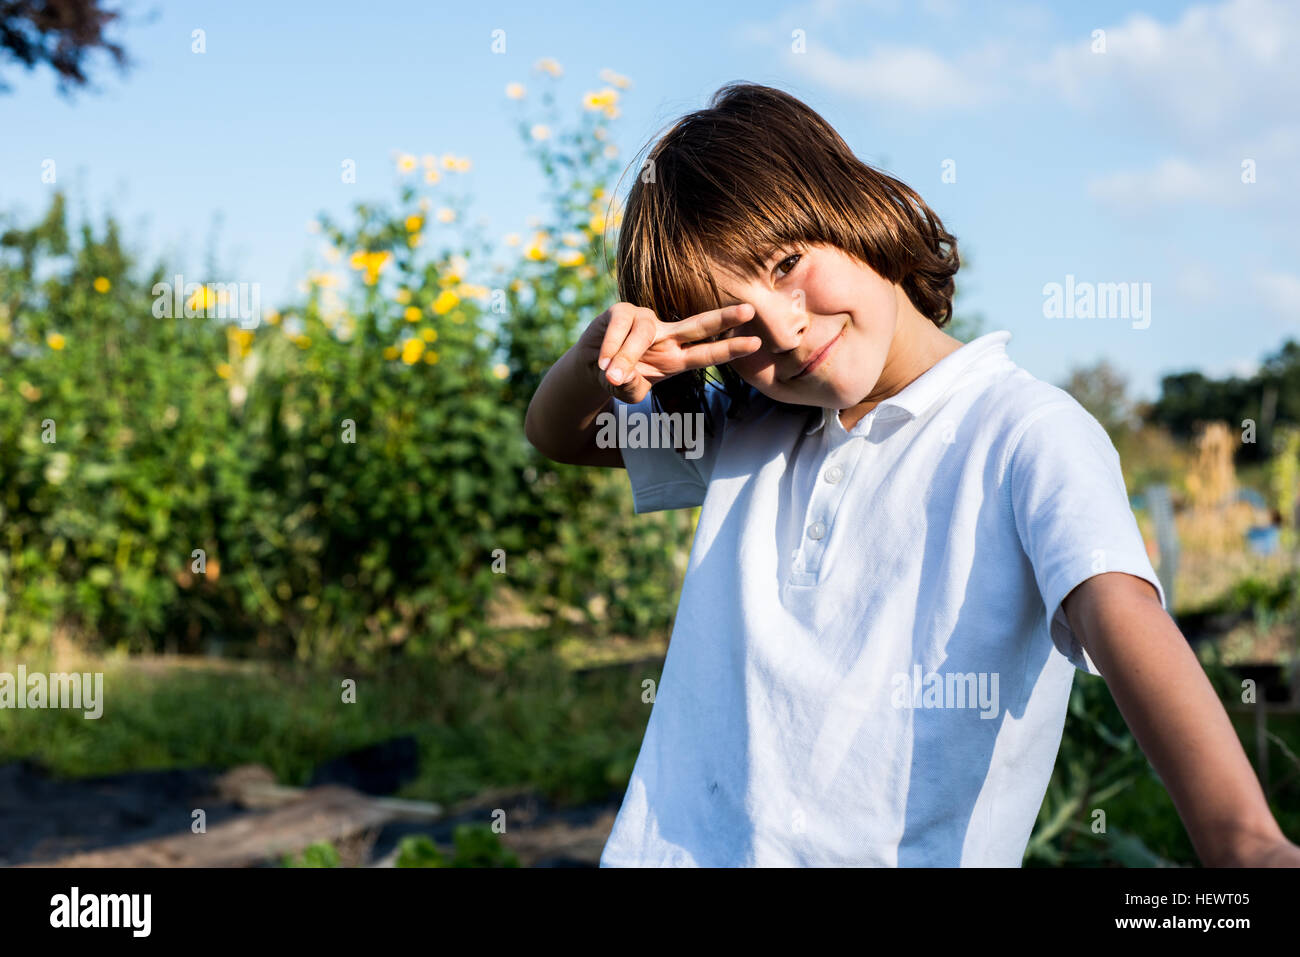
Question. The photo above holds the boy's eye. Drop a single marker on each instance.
(788, 259)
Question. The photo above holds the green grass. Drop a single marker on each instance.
(573, 738)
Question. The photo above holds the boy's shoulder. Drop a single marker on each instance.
(1016, 402)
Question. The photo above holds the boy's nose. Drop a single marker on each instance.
(779, 321)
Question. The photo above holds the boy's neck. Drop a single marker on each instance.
(917, 345)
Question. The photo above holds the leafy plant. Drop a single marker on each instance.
(320, 854)
(477, 845)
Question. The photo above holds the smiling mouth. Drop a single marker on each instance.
(818, 358)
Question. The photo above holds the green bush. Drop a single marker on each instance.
(347, 477)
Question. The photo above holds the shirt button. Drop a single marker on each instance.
(834, 474)
(816, 530)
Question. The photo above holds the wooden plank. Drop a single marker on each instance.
(327, 813)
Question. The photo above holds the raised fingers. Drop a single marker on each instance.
(637, 332)
(705, 325)
(704, 354)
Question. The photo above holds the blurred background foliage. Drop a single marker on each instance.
(353, 467)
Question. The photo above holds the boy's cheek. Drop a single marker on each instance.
(755, 370)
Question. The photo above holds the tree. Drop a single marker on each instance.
(1102, 390)
(61, 33)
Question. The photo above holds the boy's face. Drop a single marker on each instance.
(815, 303)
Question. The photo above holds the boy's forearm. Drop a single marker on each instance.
(560, 422)
(1176, 718)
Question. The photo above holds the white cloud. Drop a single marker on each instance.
(1216, 179)
(1280, 292)
(1171, 182)
(911, 77)
(1216, 71)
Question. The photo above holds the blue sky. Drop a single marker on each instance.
(1122, 165)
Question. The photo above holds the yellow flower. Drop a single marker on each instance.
(432, 176)
(390, 352)
(598, 192)
(500, 370)
(323, 279)
(412, 349)
(463, 165)
(301, 341)
(472, 291)
(516, 285)
(405, 162)
(446, 215)
(428, 161)
(429, 335)
(202, 299)
(602, 100)
(541, 131)
(448, 161)
(413, 313)
(570, 257)
(244, 338)
(597, 224)
(55, 340)
(549, 65)
(431, 356)
(515, 91)
(223, 370)
(273, 317)
(536, 252)
(415, 239)
(609, 76)
(413, 223)
(372, 263)
(587, 272)
(102, 284)
(403, 296)
(512, 239)
(29, 391)
(611, 151)
(445, 302)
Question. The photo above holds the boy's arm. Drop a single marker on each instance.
(562, 420)
(1178, 721)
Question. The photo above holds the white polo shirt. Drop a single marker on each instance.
(869, 664)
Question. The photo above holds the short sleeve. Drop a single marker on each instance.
(1072, 513)
(663, 477)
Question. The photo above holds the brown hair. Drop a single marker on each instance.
(757, 170)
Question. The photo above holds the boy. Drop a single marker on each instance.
(906, 544)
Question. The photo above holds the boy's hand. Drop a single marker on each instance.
(630, 348)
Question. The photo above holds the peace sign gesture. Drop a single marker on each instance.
(636, 349)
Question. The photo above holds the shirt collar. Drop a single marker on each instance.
(922, 392)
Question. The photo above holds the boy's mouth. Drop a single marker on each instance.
(818, 357)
